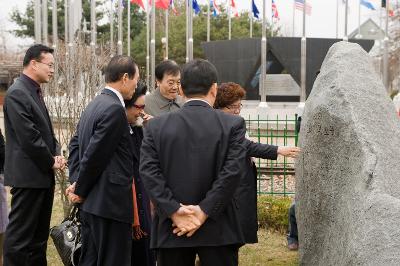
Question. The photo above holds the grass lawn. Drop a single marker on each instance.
(271, 249)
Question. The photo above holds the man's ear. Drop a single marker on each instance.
(125, 77)
(214, 90)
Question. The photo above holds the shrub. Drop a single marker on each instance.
(273, 212)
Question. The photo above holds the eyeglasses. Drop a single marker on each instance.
(172, 83)
(140, 107)
(51, 66)
(235, 107)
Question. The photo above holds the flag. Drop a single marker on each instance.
(196, 7)
(172, 6)
(299, 4)
(391, 11)
(367, 4)
(274, 10)
(254, 9)
(216, 10)
(234, 9)
(139, 3)
(160, 4)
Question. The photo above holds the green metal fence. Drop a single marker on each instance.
(274, 177)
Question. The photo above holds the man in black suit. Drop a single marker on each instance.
(101, 169)
(30, 160)
(190, 164)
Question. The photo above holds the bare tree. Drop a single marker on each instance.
(77, 79)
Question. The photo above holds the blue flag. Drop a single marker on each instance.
(367, 4)
(196, 7)
(254, 9)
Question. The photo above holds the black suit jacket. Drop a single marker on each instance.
(194, 156)
(142, 198)
(31, 144)
(246, 195)
(101, 159)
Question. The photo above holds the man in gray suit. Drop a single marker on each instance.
(30, 160)
(165, 98)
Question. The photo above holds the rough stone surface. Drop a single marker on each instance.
(348, 175)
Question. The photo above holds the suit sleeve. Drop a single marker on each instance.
(73, 158)
(260, 150)
(152, 177)
(228, 178)
(27, 134)
(109, 130)
(2, 150)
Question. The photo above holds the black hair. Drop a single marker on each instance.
(35, 53)
(141, 89)
(167, 67)
(118, 66)
(197, 77)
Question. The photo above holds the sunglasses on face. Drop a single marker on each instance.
(140, 107)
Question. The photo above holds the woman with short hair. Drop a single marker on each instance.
(228, 100)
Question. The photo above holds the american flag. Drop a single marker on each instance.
(299, 4)
(275, 13)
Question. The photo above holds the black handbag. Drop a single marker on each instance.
(67, 238)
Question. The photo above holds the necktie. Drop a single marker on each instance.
(39, 92)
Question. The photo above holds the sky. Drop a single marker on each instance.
(321, 23)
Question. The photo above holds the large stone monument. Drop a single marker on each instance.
(348, 175)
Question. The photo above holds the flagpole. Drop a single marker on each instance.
(111, 29)
(345, 38)
(294, 11)
(119, 43)
(208, 20)
(128, 32)
(337, 18)
(191, 31)
(385, 53)
(251, 18)
(93, 30)
(272, 21)
(229, 20)
(66, 24)
(70, 35)
(303, 57)
(93, 24)
(148, 10)
(166, 33)
(38, 29)
(44, 22)
(153, 43)
(187, 29)
(70, 28)
(359, 19)
(55, 39)
(54, 24)
(263, 70)
(381, 42)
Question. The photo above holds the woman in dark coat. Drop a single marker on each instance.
(228, 100)
(141, 253)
